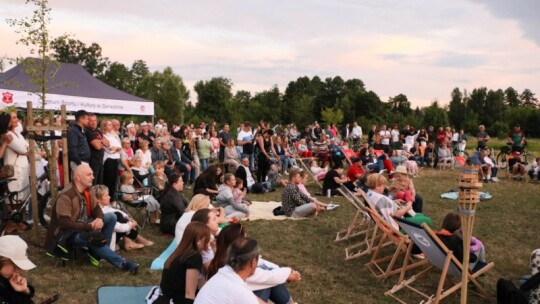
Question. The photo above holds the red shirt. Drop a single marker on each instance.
(441, 137)
(353, 171)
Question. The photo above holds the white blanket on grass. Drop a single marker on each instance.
(264, 211)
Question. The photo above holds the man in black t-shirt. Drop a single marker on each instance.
(96, 141)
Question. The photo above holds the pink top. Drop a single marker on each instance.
(215, 143)
(238, 195)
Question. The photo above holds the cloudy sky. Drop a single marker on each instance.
(422, 49)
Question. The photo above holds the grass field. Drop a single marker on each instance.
(508, 225)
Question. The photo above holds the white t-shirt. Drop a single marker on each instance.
(244, 136)
(357, 132)
(181, 225)
(249, 178)
(226, 287)
(395, 135)
(385, 140)
(455, 136)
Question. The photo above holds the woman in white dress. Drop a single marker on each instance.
(16, 155)
(112, 156)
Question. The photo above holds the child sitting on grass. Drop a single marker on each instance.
(273, 177)
(239, 193)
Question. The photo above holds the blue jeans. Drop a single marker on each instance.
(187, 176)
(260, 187)
(103, 252)
(204, 163)
(279, 294)
(377, 166)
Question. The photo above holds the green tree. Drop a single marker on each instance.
(71, 50)
(528, 99)
(332, 115)
(511, 96)
(434, 115)
(118, 75)
(168, 92)
(214, 98)
(456, 109)
(266, 105)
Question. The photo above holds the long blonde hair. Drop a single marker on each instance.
(198, 202)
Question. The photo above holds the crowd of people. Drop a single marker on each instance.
(110, 161)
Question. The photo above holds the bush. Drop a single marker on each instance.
(499, 129)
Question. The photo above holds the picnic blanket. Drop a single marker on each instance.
(122, 294)
(453, 195)
(264, 211)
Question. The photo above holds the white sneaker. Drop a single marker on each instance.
(331, 206)
(382, 171)
(495, 179)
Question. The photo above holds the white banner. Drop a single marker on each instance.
(76, 103)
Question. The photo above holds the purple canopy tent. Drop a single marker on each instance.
(74, 87)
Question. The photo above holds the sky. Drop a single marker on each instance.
(420, 48)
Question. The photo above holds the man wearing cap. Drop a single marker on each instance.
(76, 215)
(13, 259)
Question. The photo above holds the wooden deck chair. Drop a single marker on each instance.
(386, 266)
(361, 224)
(348, 155)
(440, 257)
(302, 161)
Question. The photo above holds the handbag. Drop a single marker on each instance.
(7, 171)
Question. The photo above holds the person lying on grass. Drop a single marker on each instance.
(387, 207)
(294, 202)
(268, 281)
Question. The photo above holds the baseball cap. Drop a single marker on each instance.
(15, 249)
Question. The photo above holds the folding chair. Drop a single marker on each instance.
(440, 257)
(384, 267)
(361, 224)
(138, 205)
(348, 155)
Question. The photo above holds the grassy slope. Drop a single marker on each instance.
(508, 225)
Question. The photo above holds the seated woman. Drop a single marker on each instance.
(145, 154)
(535, 269)
(180, 277)
(319, 172)
(125, 227)
(294, 202)
(129, 194)
(173, 204)
(269, 280)
(226, 200)
(303, 189)
(209, 218)
(491, 168)
(450, 236)
(303, 150)
(388, 208)
(333, 180)
(13, 258)
(231, 156)
(445, 156)
(140, 172)
(207, 182)
(402, 187)
(228, 285)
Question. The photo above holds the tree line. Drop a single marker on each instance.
(304, 100)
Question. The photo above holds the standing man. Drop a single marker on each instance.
(482, 138)
(78, 148)
(245, 141)
(517, 138)
(97, 144)
(356, 136)
(395, 134)
(385, 138)
(224, 137)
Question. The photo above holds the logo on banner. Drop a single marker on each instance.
(7, 97)
(143, 108)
